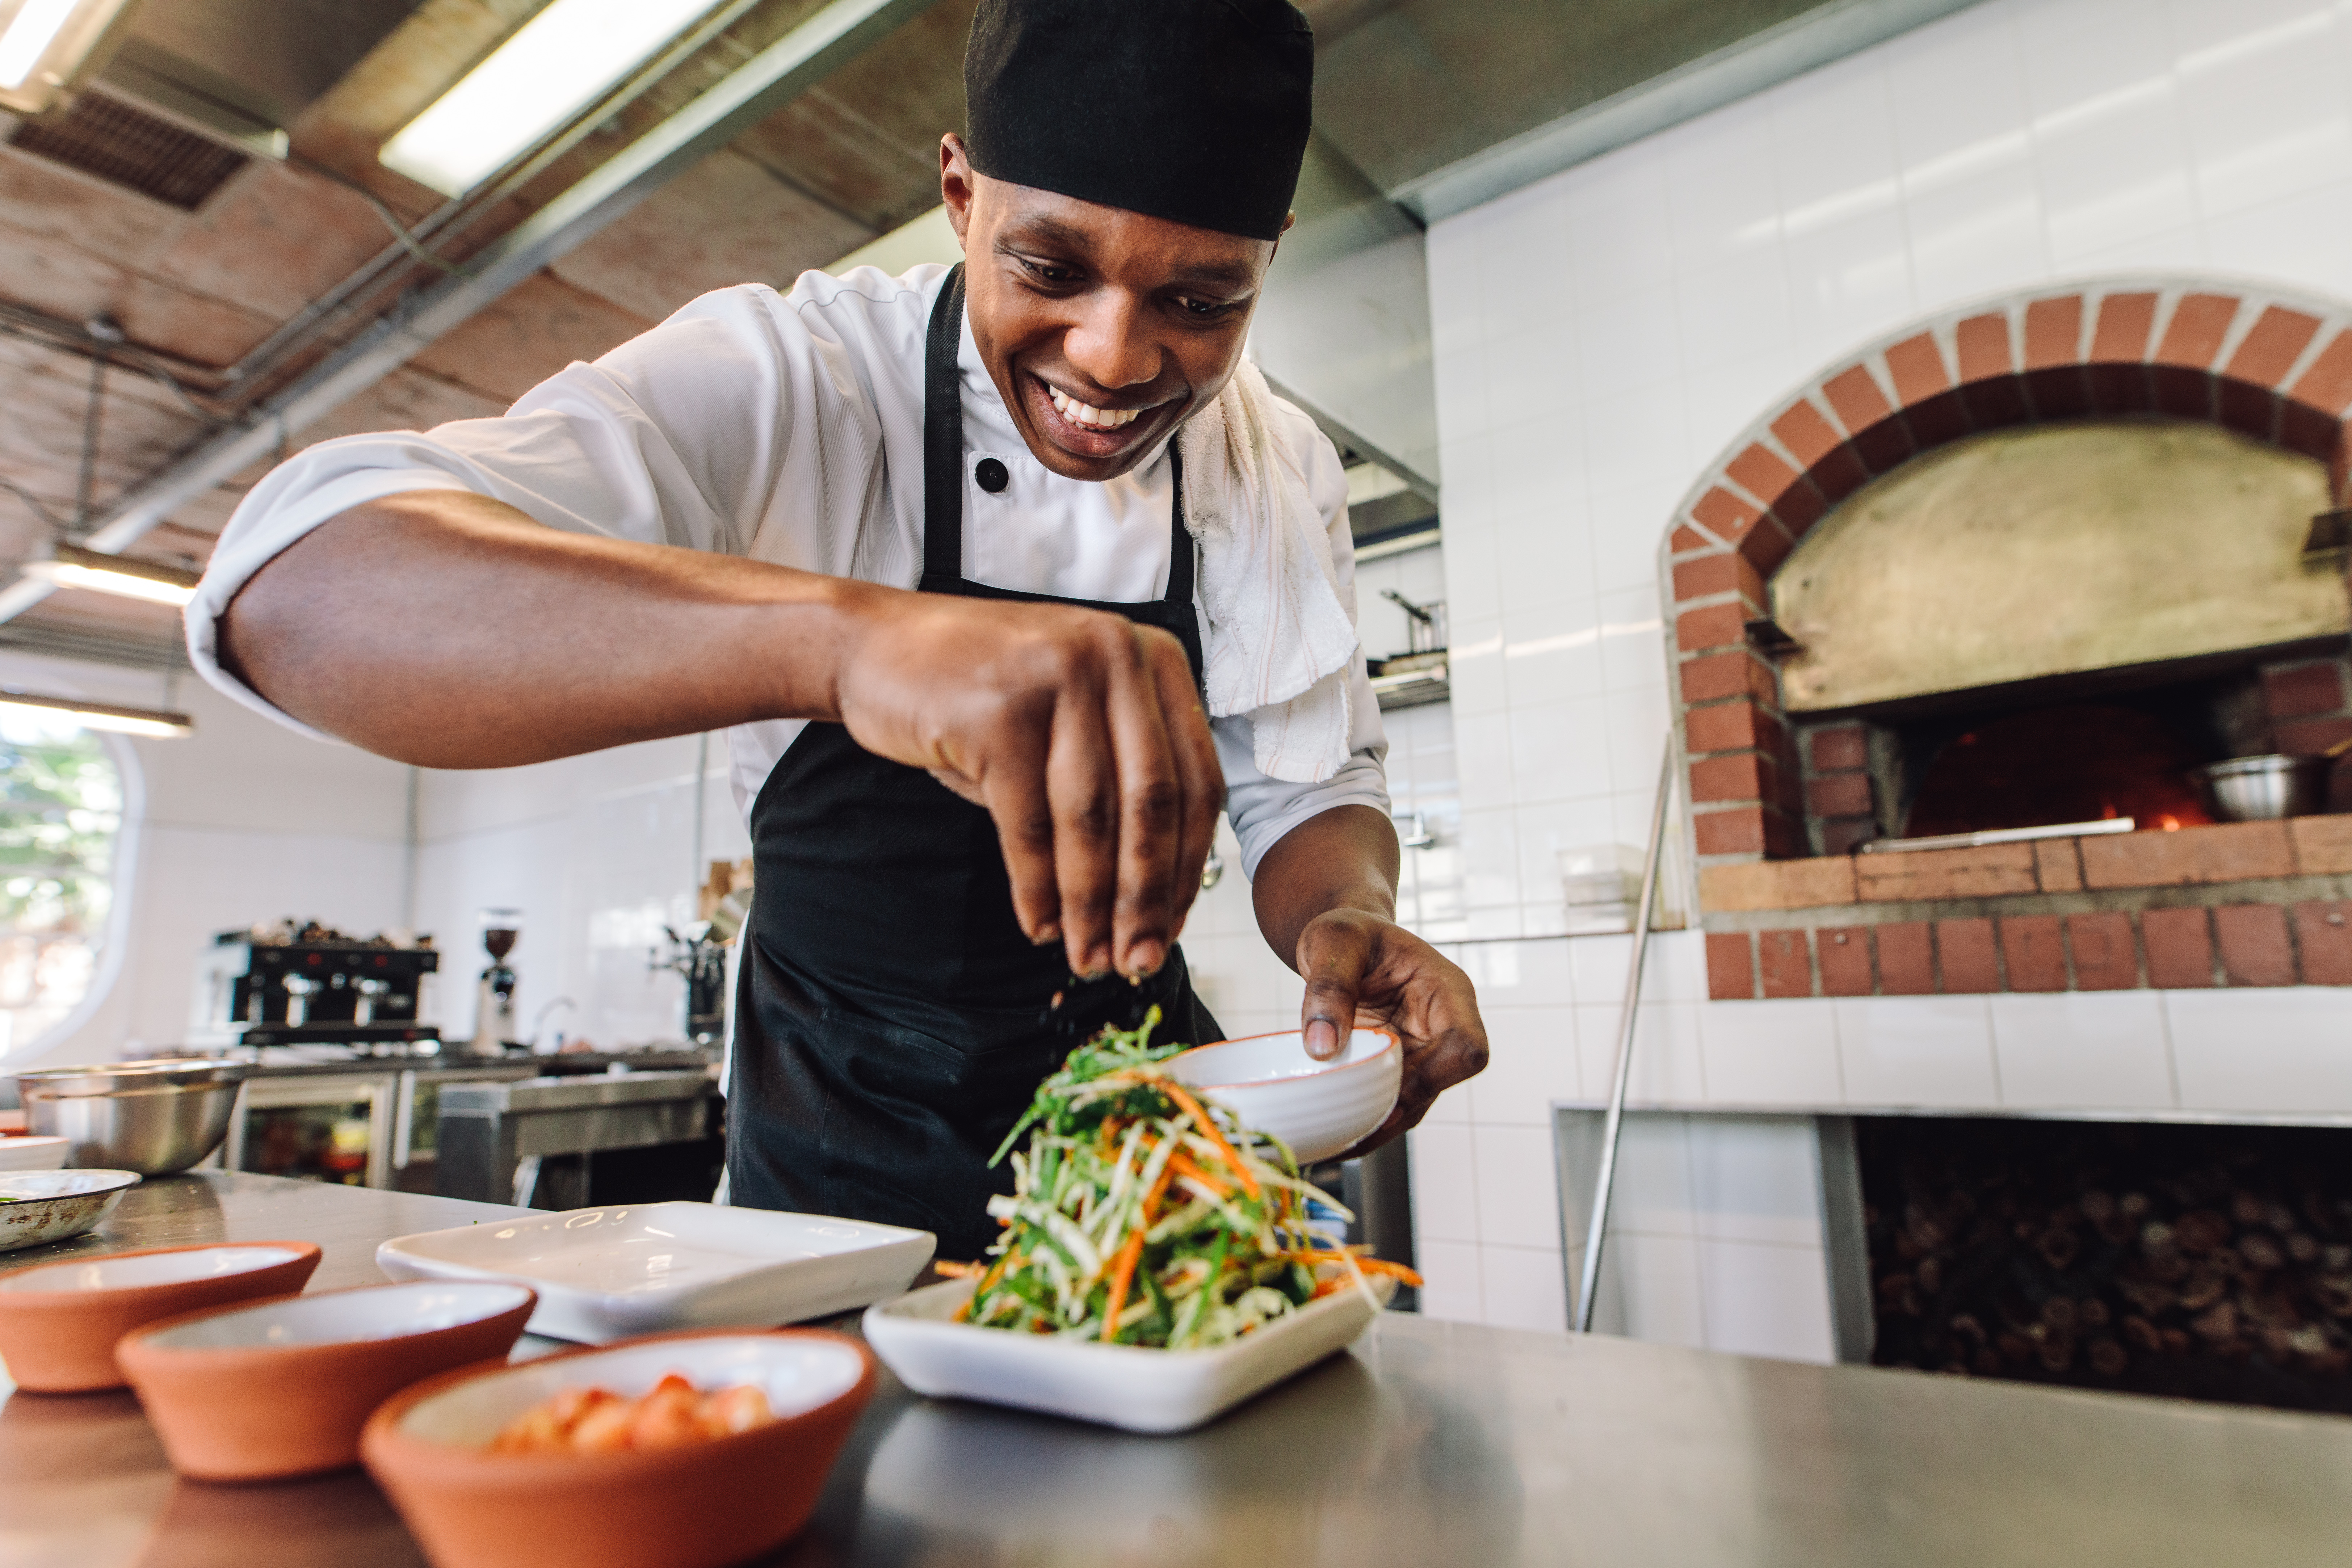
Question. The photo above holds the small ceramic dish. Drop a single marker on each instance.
(282, 1388)
(33, 1153)
(1319, 1108)
(725, 1501)
(1130, 1387)
(59, 1321)
(605, 1274)
(40, 1207)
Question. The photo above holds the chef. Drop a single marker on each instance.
(1002, 578)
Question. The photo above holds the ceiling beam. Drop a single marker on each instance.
(757, 89)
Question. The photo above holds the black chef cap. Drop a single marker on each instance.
(1192, 111)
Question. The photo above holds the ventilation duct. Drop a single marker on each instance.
(104, 137)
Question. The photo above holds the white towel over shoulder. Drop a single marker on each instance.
(1280, 641)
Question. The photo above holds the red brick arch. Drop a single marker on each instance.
(2252, 357)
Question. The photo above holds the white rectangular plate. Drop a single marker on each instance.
(605, 1274)
(1118, 1385)
(33, 1153)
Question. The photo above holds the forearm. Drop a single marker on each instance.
(450, 630)
(1344, 859)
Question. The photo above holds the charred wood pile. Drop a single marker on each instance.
(2199, 1262)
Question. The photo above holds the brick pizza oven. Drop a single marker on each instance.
(2025, 563)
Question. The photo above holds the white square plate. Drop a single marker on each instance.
(1128, 1386)
(605, 1274)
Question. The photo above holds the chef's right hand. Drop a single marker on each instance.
(1080, 731)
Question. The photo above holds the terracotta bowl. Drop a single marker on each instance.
(726, 1500)
(1317, 1107)
(282, 1388)
(58, 1321)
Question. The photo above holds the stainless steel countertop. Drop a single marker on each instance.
(1428, 1443)
(234, 1206)
(522, 1095)
(456, 1060)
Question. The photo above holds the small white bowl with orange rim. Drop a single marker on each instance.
(1317, 1109)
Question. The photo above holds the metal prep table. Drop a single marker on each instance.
(396, 1095)
(1429, 1443)
(495, 1137)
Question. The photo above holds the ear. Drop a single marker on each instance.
(957, 187)
(1289, 222)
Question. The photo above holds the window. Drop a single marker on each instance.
(61, 810)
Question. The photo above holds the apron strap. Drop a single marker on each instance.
(943, 437)
(1179, 547)
(943, 458)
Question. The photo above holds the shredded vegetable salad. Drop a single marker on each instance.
(1142, 1215)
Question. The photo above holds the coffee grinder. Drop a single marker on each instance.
(494, 1004)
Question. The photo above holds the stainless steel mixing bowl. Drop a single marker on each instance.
(151, 1117)
(2249, 789)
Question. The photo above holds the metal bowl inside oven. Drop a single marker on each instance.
(151, 1117)
(2250, 789)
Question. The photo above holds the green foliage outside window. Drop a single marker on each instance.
(60, 820)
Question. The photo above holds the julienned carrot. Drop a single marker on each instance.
(1176, 1093)
(1122, 1270)
(1369, 1264)
(1159, 1187)
(1183, 1164)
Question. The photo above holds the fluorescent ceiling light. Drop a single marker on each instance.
(150, 721)
(73, 567)
(47, 45)
(564, 60)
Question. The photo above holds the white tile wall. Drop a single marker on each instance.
(1669, 293)
(1715, 1235)
(598, 853)
(2292, 1055)
(1454, 1286)
(1918, 1050)
(1772, 1053)
(2093, 1048)
(1532, 1066)
(1518, 1187)
(1762, 1300)
(1445, 1183)
(1522, 1287)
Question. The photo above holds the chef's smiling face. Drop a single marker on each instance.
(1101, 328)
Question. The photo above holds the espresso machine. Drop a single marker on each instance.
(494, 1005)
(304, 983)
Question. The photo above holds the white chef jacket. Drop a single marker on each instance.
(789, 428)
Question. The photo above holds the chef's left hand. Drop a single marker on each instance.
(1364, 971)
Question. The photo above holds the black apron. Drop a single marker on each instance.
(891, 1020)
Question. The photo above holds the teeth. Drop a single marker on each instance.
(1077, 412)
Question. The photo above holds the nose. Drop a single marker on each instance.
(1107, 343)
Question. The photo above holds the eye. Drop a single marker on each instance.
(1206, 310)
(1053, 274)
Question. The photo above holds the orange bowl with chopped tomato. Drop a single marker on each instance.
(651, 1453)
